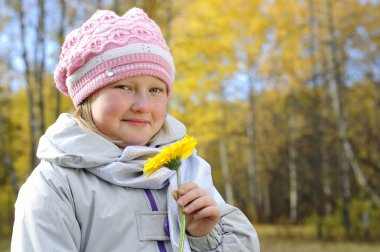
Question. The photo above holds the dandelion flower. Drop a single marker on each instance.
(171, 156)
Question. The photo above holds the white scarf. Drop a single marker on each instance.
(67, 145)
(127, 172)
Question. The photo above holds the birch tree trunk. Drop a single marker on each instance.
(225, 170)
(326, 181)
(347, 155)
(336, 86)
(266, 200)
(61, 38)
(40, 64)
(29, 88)
(253, 181)
(317, 122)
(223, 153)
(293, 194)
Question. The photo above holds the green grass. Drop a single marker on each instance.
(276, 238)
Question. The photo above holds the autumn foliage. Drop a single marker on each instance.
(282, 96)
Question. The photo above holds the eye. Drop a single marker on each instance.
(124, 87)
(157, 90)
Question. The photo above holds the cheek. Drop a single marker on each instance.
(105, 108)
(160, 110)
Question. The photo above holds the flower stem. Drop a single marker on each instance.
(181, 216)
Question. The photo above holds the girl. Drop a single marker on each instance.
(89, 193)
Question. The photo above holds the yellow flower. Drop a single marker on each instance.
(171, 156)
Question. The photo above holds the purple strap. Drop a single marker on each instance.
(152, 202)
(166, 226)
(154, 207)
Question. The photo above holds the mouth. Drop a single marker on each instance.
(136, 122)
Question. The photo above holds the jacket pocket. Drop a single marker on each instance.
(151, 226)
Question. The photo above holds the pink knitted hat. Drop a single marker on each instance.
(108, 48)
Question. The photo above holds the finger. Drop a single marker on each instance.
(211, 212)
(198, 204)
(191, 195)
(184, 188)
(175, 195)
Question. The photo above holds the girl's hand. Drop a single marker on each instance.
(201, 211)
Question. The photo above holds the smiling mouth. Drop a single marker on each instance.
(136, 122)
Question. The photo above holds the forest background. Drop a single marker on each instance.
(282, 95)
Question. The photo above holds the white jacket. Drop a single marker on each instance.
(63, 206)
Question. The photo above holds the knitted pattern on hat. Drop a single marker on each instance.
(108, 48)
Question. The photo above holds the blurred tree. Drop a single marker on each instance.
(19, 7)
(206, 57)
(250, 26)
(60, 39)
(283, 96)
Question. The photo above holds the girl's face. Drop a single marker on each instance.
(131, 110)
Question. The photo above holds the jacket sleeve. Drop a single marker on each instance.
(234, 233)
(44, 215)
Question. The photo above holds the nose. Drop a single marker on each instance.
(141, 103)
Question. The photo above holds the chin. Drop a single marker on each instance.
(135, 143)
